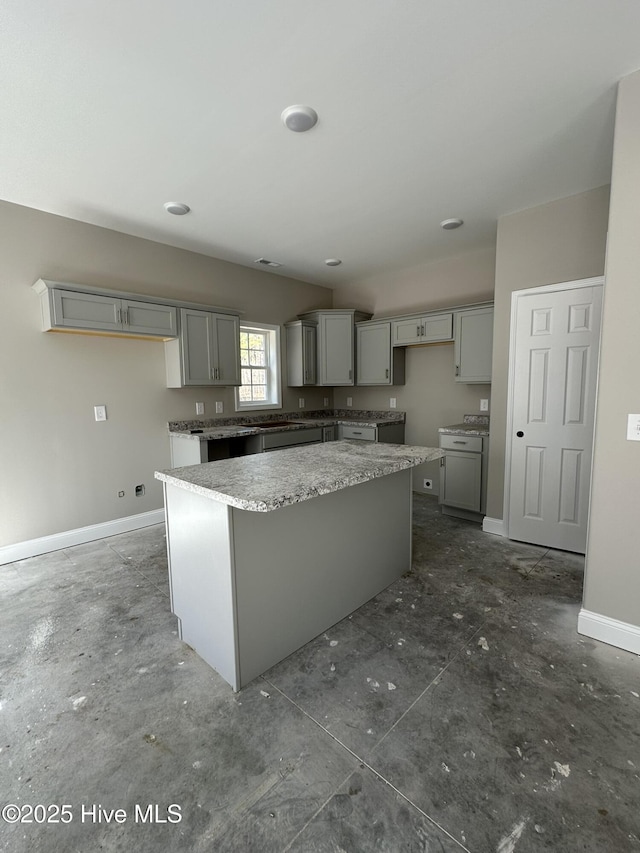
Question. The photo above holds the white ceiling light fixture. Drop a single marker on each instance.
(451, 224)
(299, 118)
(177, 208)
(333, 262)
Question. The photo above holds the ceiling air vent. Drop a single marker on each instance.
(267, 263)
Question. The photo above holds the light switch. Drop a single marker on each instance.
(349, 401)
(100, 413)
(199, 408)
(392, 402)
(219, 407)
(633, 428)
(484, 405)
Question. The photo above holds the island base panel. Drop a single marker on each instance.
(250, 588)
(201, 578)
(302, 568)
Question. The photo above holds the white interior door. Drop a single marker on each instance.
(554, 372)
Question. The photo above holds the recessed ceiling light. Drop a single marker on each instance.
(333, 262)
(178, 208)
(450, 224)
(267, 263)
(299, 118)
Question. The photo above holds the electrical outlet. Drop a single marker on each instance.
(100, 413)
(140, 490)
(427, 484)
(199, 408)
(301, 402)
(484, 405)
(326, 402)
(349, 401)
(219, 407)
(392, 402)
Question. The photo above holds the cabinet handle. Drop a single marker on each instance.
(125, 316)
(418, 331)
(119, 316)
(457, 441)
(422, 329)
(357, 432)
(457, 370)
(350, 374)
(386, 373)
(442, 458)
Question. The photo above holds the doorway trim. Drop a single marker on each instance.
(515, 296)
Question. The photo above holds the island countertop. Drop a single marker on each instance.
(268, 481)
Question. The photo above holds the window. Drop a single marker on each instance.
(260, 368)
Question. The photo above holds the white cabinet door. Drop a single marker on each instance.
(86, 311)
(474, 345)
(225, 337)
(374, 354)
(335, 348)
(145, 318)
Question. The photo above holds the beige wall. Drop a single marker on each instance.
(612, 580)
(460, 279)
(431, 397)
(60, 469)
(564, 240)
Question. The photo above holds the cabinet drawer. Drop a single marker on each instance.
(471, 443)
(359, 433)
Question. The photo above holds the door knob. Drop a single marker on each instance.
(519, 433)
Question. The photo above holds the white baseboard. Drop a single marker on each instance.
(494, 525)
(620, 634)
(57, 541)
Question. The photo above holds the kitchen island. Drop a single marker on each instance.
(267, 551)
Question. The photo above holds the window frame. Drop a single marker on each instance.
(273, 367)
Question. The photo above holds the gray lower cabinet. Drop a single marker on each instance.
(473, 348)
(302, 353)
(207, 351)
(74, 310)
(463, 475)
(378, 363)
(390, 433)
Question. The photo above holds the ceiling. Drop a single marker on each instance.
(427, 110)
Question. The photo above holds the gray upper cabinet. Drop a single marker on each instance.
(378, 363)
(335, 344)
(335, 349)
(207, 352)
(474, 345)
(74, 310)
(302, 353)
(430, 328)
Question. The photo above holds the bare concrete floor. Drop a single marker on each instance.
(458, 710)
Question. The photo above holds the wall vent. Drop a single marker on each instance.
(267, 263)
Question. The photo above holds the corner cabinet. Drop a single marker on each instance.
(207, 353)
(335, 344)
(66, 310)
(302, 355)
(378, 363)
(473, 347)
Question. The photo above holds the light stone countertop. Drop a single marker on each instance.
(267, 481)
(208, 429)
(471, 425)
